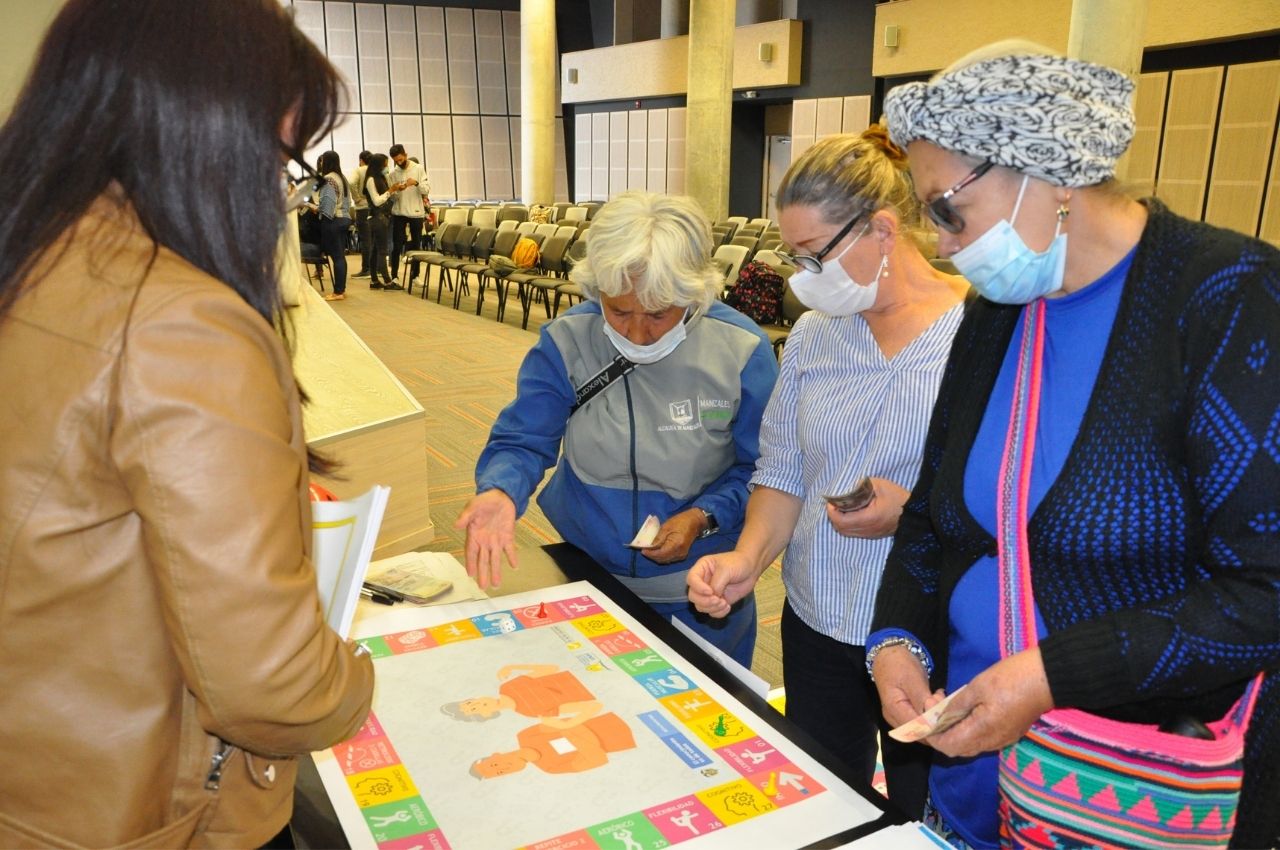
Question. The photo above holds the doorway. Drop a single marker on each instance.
(777, 161)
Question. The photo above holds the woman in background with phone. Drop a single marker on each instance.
(859, 375)
(379, 192)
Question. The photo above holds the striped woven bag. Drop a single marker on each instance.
(1077, 779)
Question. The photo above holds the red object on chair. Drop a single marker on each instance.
(320, 494)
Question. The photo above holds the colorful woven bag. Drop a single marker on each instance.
(1077, 779)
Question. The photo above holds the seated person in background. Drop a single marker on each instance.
(163, 653)
(859, 375)
(676, 436)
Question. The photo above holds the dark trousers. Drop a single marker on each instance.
(398, 242)
(830, 696)
(378, 227)
(362, 231)
(333, 241)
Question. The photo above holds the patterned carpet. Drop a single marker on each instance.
(462, 368)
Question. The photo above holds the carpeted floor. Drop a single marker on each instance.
(462, 368)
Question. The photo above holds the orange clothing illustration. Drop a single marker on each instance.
(579, 747)
(542, 696)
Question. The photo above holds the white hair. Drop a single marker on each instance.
(657, 246)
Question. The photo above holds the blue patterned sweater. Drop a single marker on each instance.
(1156, 552)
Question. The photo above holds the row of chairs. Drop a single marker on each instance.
(491, 215)
(463, 260)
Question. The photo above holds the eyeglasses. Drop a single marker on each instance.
(940, 210)
(813, 262)
(304, 188)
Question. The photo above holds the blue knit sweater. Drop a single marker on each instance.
(1156, 552)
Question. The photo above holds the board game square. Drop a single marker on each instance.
(454, 632)
(398, 820)
(619, 642)
(691, 704)
(578, 606)
(597, 624)
(735, 802)
(752, 756)
(358, 756)
(683, 819)
(410, 641)
(786, 785)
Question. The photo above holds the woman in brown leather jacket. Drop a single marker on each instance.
(163, 657)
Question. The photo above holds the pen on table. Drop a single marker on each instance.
(393, 595)
(380, 598)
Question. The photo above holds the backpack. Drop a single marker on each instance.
(540, 214)
(525, 254)
(757, 294)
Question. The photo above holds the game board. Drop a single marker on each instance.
(599, 736)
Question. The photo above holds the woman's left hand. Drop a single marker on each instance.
(878, 519)
(1002, 702)
(676, 536)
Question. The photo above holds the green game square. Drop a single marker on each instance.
(640, 830)
(634, 663)
(377, 646)
(398, 820)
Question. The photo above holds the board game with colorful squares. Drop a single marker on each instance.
(553, 720)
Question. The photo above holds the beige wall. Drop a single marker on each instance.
(934, 33)
(25, 22)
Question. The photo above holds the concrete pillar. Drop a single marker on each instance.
(675, 18)
(538, 70)
(710, 105)
(1109, 32)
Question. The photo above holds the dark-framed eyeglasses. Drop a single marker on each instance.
(940, 210)
(813, 262)
(306, 187)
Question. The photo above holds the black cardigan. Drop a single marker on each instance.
(1156, 551)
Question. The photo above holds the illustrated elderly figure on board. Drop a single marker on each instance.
(647, 398)
(1091, 547)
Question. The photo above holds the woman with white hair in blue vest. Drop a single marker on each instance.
(1091, 550)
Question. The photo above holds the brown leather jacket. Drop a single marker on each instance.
(156, 596)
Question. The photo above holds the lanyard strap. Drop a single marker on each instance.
(601, 381)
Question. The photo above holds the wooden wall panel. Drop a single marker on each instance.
(496, 135)
(582, 158)
(1270, 229)
(637, 149)
(468, 157)
(371, 41)
(1188, 139)
(804, 120)
(433, 60)
(599, 157)
(439, 163)
(460, 36)
(657, 158)
(1138, 167)
(618, 141)
(491, 63)
(857, 114)
(402, 54)
(1246, 131)
(676, 119)
(340, 45)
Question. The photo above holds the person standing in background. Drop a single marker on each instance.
(409, 211)
(380, 195)
(360, 208)
(335, 220)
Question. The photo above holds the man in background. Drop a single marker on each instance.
(410, 209)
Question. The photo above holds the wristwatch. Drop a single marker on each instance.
(712, 525)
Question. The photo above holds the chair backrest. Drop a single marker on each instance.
(546, 230)
(575, 214)
(507, 224)
(537, 237)
(524, 228)
(513, 212)
(569, 230)
(749, 230)
(735, 255)
(447, 235)
(792, 307)
(784, 269)
(748, 242)
(769, 242)
(553, 252)
(481, 248)
(462, 244)
(592, 208)
(763, 222)
(505, 241)
(561, 206)
(457, 215)
(739, 220)
(485, 217)
(583, 227)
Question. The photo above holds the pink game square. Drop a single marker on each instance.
(618, 643)
(579, 606)
(532, 616)
(752, 756)
(357, 756)
(412, 641)
(683, 819)
(371, 729)
(579, 840)
(787, 784)
(433, 840)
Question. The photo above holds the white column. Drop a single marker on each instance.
(710, 112)
(538, 69)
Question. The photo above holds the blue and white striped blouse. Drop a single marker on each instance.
(840, 411)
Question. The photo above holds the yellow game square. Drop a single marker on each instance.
(735, 802)
(691, 705)
(456, 631)
(383, 785)
(594, 625)
(719, 729)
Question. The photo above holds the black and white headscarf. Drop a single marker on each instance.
(1061, 120)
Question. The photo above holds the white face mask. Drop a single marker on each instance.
(653, 352)
(832, 291)
(1003, 269)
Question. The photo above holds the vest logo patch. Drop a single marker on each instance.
(681, 411)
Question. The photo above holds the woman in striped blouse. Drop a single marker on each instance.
(859, 376)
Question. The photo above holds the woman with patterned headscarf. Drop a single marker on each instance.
(1095, 524)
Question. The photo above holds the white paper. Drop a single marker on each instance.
(906, 836)
(343, 535)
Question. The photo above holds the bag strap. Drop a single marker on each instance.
(601, 381)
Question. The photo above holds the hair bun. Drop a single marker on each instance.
(877, 134)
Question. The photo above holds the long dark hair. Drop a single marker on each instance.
(377, 163)
(329, 163)
(122, 85)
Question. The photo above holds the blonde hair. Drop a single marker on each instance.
(855, 174)
(657, 246)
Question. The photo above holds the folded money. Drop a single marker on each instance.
(932, 721)
(647, 534)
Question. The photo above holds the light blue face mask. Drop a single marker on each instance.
(654, 351)
(1003, 269)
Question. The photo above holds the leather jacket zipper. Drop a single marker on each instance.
(220, 756)
(635, 479)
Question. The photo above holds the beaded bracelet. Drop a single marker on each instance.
(913, 646)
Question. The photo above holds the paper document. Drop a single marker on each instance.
(343, 535)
